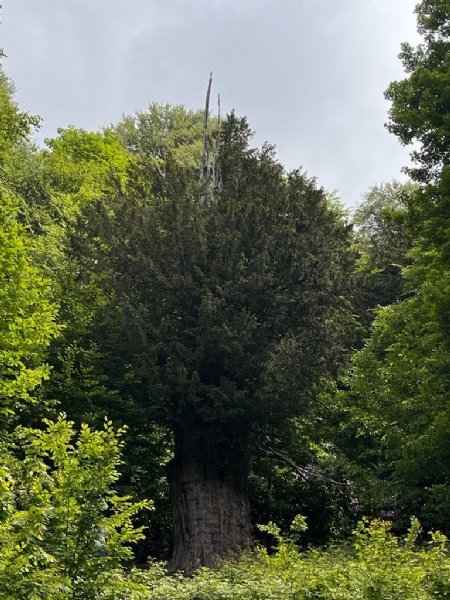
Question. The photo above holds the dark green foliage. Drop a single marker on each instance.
(218, 327)
(398, 405)
(316, 486)
(213, 304)
(420, 103)
(217, 294)
(419, 114)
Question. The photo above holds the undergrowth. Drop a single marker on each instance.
(379, 566)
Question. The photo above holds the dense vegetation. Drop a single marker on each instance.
(184, 321)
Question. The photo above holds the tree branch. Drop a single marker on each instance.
(205, 152)
(304, 473)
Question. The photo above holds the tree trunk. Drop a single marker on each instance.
(208, 486)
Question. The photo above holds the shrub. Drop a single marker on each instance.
(64, 533)
(378, 567)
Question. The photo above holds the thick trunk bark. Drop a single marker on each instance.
(208, 485)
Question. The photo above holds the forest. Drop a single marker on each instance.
(215, 381)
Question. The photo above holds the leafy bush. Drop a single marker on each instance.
(379, 567)
(27, 317)
(64, 533)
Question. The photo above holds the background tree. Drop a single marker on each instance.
(27, 316)
(401, 387)
(56, 185)
(229, 313)
(383, 242)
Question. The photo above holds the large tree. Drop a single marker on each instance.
(231, 309)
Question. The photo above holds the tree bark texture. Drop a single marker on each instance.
(208, 486)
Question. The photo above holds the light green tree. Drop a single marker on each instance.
(27, 316)
(401, 386)
(64, 531)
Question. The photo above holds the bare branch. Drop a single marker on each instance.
(216, 150)
(324, 404)
(205, 153)
(304, 473)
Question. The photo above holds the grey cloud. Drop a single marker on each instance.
(309, 74)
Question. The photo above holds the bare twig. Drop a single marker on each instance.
(304, 473)
(325, 405)
(216, 151)
(205, 154)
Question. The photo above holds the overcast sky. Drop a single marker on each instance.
(308, 74)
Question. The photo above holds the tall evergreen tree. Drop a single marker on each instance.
(231, 311)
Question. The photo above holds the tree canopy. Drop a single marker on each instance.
(27, 316)
(259, 351)
(401, 380)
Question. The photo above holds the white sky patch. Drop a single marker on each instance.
(308, 74)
